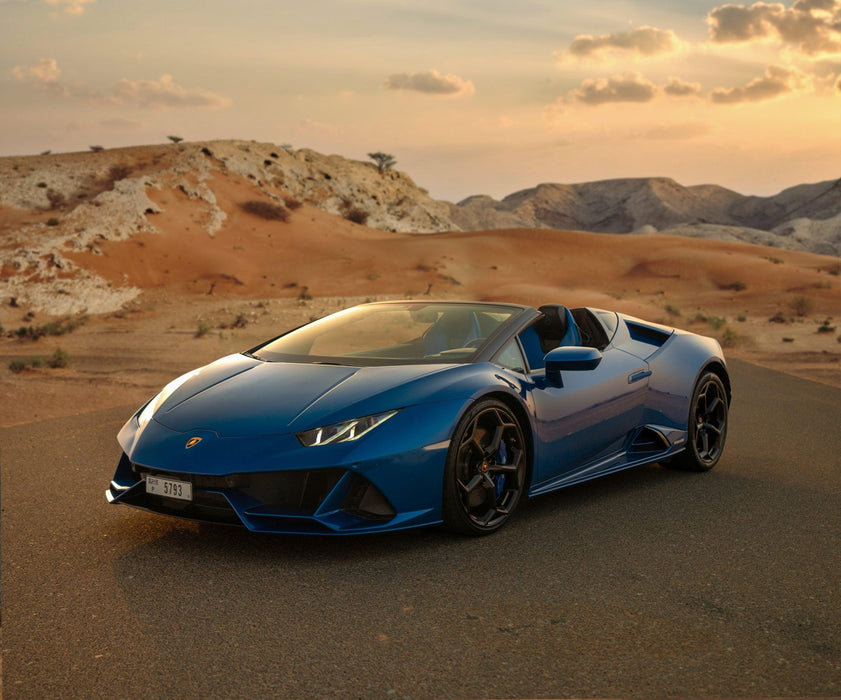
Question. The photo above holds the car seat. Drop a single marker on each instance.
(557, 328)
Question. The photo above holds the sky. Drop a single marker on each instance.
(470, 96)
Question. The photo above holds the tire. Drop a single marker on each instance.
(707, 426)
(485, 472)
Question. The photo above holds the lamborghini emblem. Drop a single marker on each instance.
(192, 442)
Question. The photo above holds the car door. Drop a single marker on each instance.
(589, 418)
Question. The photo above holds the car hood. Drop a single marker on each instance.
(242, 396)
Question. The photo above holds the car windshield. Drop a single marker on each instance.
(392, 333)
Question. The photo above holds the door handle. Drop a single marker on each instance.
(638, 375)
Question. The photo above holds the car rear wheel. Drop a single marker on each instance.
(485, 473)
(707, 429)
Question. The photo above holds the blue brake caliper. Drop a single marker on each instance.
(501, 458)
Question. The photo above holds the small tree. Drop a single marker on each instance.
(384, 161)
(175, 139)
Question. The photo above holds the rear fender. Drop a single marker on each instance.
(676, 368)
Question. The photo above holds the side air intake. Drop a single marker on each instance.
(649, 440)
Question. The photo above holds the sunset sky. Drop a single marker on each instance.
(470, 96)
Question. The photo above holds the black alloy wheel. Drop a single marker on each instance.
(707, 429)
(485, 473)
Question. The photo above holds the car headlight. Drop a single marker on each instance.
(149, 411)
(343, 432)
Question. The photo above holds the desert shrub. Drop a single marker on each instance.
(729, 338)
(56, 199)
(304, 294)
(52, 221)
(202, 330)
(1, 329)
(65, 325)
(97, 149)
(700, 318)
(778, 318)
(671, 310)
(801, 306)
(59, 358)
(716, 322)
(776, 261)
(175, 139)
(741, 318)
(292, 204)
(60, 327)
(266, 210)
(786, 339)
(736, 286)
(207, 152)
(117, 173)
(42, 185)
(356, 215)
(240, 321)
(826, 328)
(835, 270)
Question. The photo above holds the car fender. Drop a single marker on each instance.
(675, 369)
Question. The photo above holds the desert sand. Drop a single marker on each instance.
(190, 291)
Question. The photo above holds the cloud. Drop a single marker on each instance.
(163, 94)
(625, 87)
(776, 81)
(143, 94)
(45, 72)
(643, 41)
(680, 88)
(71, 7)
(811, 26)
(430, 82)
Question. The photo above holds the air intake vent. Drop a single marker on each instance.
(647, 334)
(649, 440)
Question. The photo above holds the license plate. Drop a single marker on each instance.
(182, 490)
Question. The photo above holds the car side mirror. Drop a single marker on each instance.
(570, 359)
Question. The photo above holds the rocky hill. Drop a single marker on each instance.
(54, 205)
(805, 217)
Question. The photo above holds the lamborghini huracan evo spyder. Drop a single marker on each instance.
(395, 415)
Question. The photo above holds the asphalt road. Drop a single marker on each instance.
(647, 583)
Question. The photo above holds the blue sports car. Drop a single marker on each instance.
(396, 415)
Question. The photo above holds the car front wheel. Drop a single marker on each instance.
(485, 473)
